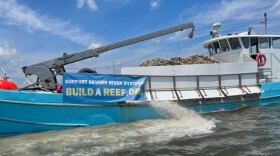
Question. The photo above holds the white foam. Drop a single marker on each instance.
(185, 121)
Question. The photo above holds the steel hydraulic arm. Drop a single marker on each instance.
(46, 71)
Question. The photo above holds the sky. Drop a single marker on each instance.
(33, 31)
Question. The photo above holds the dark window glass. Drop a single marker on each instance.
(216, 47)
(234, 43)
(224, 45)
(211, 49)
(254, 45)
(276, 42)
(263, 43)
(254, 41)
(245, 42)
(270, 43)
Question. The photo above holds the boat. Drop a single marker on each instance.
(248, 75)
(48, 105)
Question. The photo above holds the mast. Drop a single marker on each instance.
(265, 23)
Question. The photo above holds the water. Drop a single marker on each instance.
(247, 131)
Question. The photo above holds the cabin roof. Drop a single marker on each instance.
(235, 36)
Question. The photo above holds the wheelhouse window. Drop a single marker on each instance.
(234, 43)
(276, 42)
(217, 47)
(224, 45)
(211, 49)
(245, 42)
(263, 43)
(254, 45)
(269, 42)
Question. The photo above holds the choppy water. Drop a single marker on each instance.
(247, 131)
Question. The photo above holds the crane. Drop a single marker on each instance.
(47, 71)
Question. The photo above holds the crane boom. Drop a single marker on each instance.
(48, 69)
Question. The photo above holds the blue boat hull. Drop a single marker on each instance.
(271, 93)
(24, 111)
(27, 111)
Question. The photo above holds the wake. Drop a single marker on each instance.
(179, 122)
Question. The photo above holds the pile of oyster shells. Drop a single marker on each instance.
(194, 59)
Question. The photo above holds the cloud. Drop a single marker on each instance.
(155, 4)
(93, 46)
(90, 3)
(156, 40)
(276, 8)
(10, 62)
(7, 52)
(14, 14)
(226, 11)
(233, 16)
(80, 3)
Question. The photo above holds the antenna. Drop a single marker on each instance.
(5, 75)
(265, 23)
